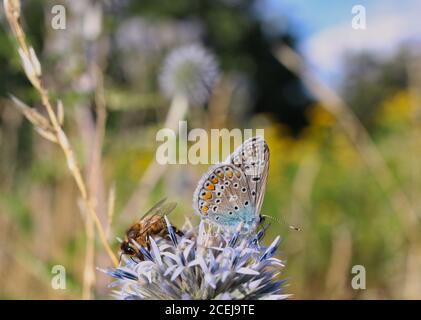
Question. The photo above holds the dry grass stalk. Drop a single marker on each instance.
(154, 172)
(95, 179)
(340, 263)
(33, 71)
(412, 283)
(110, 209)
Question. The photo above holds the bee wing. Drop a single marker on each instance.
(166, 208)
(154, 208)
(161, 211)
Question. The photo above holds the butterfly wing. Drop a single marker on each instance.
(223, 198)
(252, 158)
(232, 192)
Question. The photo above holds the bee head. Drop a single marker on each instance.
(126, 248)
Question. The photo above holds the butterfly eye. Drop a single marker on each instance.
(218, 194)
(235, 185)
(243, 189)
(246, 203)
(216, 218)
(226, 168)
(227, 183)
(214, 208)
(253, 193)
(255, 179)
(236, 208)
(230, 213)
(222, 187)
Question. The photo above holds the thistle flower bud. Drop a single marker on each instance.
(201, 264)
(190, 71)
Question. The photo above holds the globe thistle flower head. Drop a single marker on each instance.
(190, 71)
(201, 264)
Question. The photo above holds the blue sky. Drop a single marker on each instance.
(324, 30)
(307, 17)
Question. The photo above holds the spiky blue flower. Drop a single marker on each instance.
(191, 71)
(202, 264)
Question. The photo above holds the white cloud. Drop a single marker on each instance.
(384, 34)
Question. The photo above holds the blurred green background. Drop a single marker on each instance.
(353, 197)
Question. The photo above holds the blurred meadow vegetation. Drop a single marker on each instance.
(319, 179)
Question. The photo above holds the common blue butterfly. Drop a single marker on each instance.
(231, 193)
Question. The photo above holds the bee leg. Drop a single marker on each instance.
(179, 233)
(139, 256)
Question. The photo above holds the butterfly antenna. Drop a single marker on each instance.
(281, 221)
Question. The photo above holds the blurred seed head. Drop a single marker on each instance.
(191, 71)
(201, 264)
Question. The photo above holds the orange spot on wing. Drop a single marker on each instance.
(211, 187)
(206, 195)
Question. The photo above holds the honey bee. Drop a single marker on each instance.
(151, 224)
